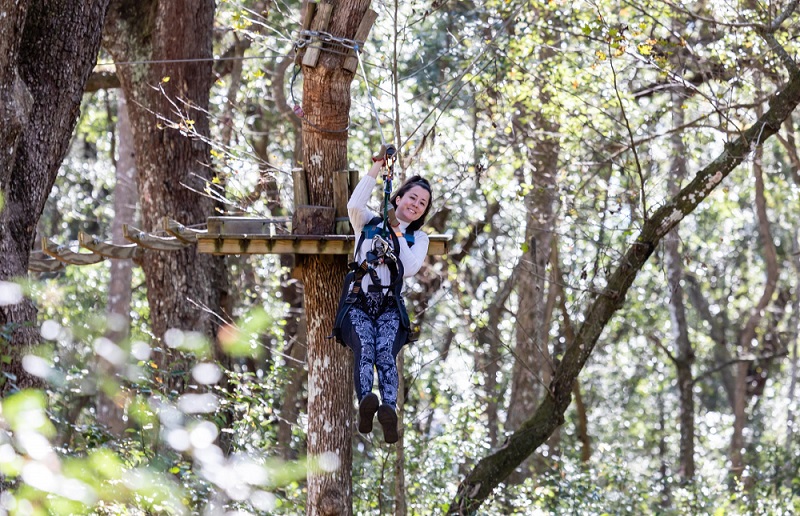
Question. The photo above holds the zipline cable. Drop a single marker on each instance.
(369, 93)
(388, 152)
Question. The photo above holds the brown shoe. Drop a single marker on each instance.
(366, 412)
(387, 417)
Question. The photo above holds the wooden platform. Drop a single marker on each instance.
(225, 235)
(247, 235)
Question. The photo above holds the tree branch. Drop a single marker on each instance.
(787, 60)
(489, 472)
(732, 361)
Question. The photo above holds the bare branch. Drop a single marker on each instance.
(738, 360)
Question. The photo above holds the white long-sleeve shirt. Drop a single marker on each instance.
(412, 257)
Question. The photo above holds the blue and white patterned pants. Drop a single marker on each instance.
(373, 331)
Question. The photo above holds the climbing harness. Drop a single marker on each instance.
(382, 253)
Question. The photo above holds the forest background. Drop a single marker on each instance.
(580, 350)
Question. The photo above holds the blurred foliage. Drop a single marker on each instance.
(472, 77)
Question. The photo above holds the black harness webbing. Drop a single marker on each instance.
(352, 282)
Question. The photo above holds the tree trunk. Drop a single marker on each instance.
(533, 365)
(47, 52)
(494, 468)
(677, 308)
(488, 356)
(400, 506)
(109, 413)
(326, 101)
(795, 323)
(568, 332)
(748, 333)
(167, 105)
(125, 201)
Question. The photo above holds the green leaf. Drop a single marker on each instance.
(25, 411)
(241, 339)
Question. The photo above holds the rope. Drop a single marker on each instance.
(298, 110)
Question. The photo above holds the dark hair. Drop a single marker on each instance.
(410, 183)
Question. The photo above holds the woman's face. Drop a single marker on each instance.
(412, 204)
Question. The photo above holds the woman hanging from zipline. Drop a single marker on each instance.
(372, 319)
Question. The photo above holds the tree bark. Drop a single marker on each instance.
(326, 101)
(568, 332)
(494, 468)
(533, 365)
(677, 309)
(15, 99)
(167, 106)
(47, 51)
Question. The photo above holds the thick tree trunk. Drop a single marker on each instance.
(15, 99)
(677, 309)
(494, 468)
(326, 101)
(47, 53)
(167, 104)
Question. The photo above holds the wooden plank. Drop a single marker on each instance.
(149, 241)
(308, 14)
(354, 178)
(299, 186)
(231, 244)
(64, 254)
(244, 225)
(362, 33)
(341, 195)
(44, 264)
(320, 23)
(313, 220)
(107, 249)
(308, 10)
(181, 232)
(296, 244)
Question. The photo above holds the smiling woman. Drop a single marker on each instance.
(372, 319)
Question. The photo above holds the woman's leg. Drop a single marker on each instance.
(388, 326)
(360, 335)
